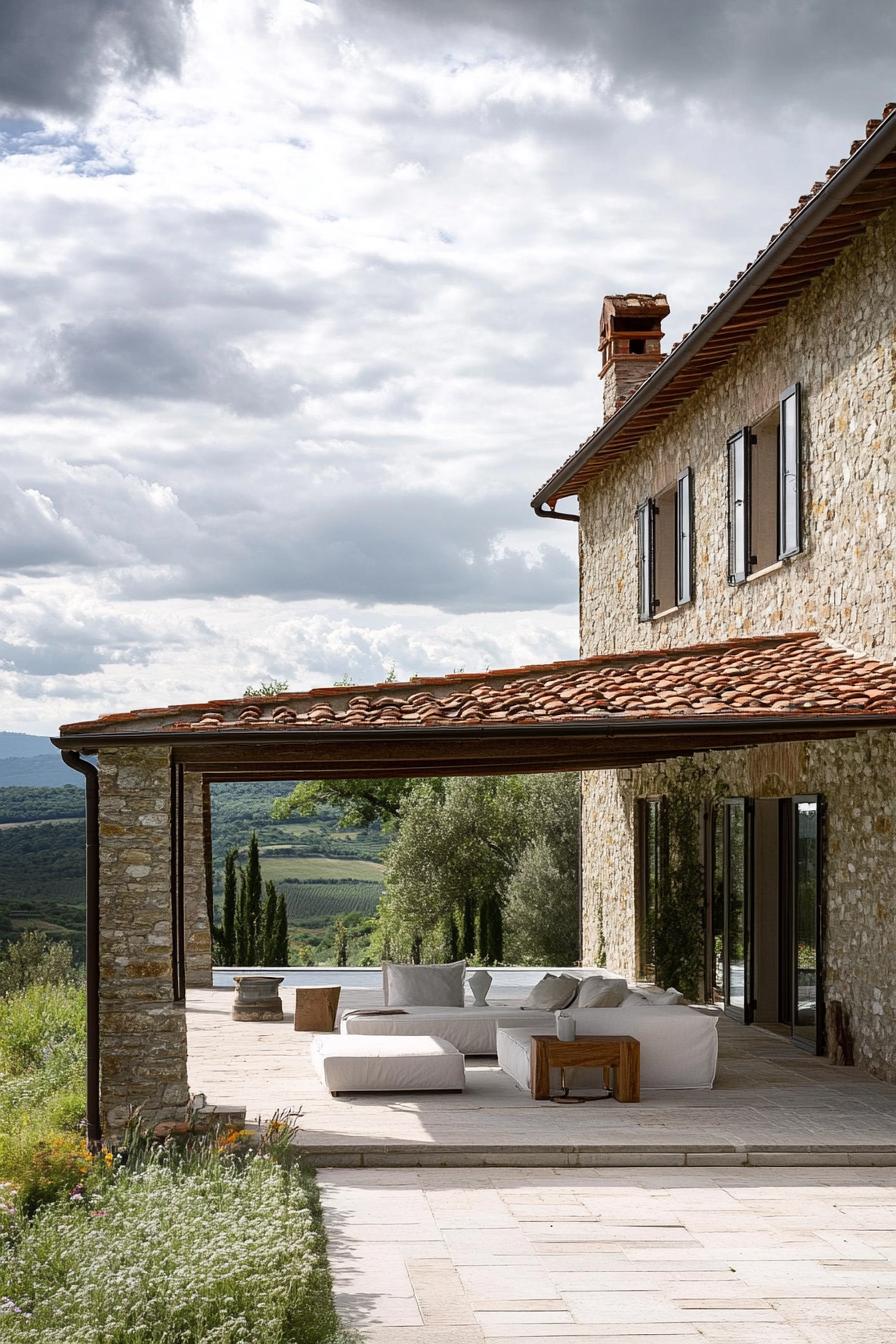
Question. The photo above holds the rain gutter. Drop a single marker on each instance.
(92, 936)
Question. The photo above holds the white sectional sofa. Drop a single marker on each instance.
(679, 1045)
(470, 1030)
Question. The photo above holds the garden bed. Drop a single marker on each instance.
(197, 1239)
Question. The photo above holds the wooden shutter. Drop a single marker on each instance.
(739, 506)
(684, 538)
(790, 538)
(644, 520)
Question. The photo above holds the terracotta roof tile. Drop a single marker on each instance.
(798, 674)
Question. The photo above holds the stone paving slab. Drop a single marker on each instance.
(633, 1254)
(772, 1104)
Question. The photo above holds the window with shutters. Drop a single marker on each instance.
(764, 492)
(665, 539)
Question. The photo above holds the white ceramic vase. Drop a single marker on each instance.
(480, 983)
(566, 1026)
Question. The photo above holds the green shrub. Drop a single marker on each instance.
(42, 1060)
(35, 959)
(42, 1028)
(206, 1248)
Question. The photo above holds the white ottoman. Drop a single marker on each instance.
(387, 1064)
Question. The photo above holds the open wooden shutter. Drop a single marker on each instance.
(790, 539)
(739, 506)
(644, 520)
(684, 538)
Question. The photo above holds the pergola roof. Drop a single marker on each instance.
(611, 710)
(837, 209)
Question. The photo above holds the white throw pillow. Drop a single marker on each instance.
(439, 986)
(552, 993)
(663, 998)
(598, 992)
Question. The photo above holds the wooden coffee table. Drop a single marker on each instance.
(620, 1053)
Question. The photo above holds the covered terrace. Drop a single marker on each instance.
(148, 870)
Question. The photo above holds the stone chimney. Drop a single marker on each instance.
(630, 335)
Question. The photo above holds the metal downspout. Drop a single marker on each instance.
(92, 937)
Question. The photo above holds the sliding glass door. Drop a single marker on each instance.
(806, 1004)
(733, 906)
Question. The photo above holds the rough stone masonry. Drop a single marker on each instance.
(839, 341)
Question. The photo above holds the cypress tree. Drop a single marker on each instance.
(242, 923)
(485, 932)
(468, 928)
(340, 939)
(253, 902)
(228, 925)
(453, 940)
(267, 949)
(497, 930)
(281, 935)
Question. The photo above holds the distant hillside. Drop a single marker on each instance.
(37, 772)
(25, 744)
(325, 871)
(27, 761)
(22, 805)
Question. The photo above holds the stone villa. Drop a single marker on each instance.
(760, 499)
(732, 709)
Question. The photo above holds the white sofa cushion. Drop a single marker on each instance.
(599, 992)
(424, 986)
(658, 998)
(552, 993)
(679, 1046)
(472, 1030)
(387, 1063)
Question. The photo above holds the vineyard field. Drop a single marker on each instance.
(307, 902)
(308, 868)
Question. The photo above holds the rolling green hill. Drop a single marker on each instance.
(324, 871)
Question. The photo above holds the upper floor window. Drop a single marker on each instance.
(665, 528)
(764, 491)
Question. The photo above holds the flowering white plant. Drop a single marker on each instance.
(217, 1251)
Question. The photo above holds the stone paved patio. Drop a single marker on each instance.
(771, 1104)
(628, 1256)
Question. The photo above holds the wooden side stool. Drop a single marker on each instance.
(316, 1007)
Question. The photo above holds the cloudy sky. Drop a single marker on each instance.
(298, 307)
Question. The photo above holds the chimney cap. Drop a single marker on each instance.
(635, 305)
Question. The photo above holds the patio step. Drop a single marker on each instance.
(617, 1155)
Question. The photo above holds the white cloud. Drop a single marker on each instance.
(299, 307)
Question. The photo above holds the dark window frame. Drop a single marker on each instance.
(659, 854)
(685, 575)
(788, 547)
(789, 486)
(739, 540)
(684, 566)
(644, 520)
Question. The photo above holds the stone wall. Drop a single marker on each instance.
(855, 777)
(839, 341)
(197, 929)
(143, 1038)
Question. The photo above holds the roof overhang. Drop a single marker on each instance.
(855, 192)
(615, 711)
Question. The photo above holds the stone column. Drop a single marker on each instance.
(143, 1034)
(609, 926)
(197, 883)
